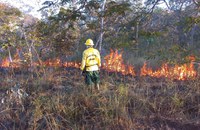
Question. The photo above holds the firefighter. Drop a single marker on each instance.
(90, 65)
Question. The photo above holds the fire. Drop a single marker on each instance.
(5, 63)
(182, 72)
(15, 63)
(114, 63)
(53, 62)
(72, 64)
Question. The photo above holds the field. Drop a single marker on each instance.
(57, 98)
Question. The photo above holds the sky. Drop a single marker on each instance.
(28, 6)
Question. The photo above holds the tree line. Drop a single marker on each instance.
(168, 33)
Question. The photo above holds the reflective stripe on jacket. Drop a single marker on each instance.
(91, 60)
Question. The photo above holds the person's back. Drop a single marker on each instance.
(91, 61)
(92, 58)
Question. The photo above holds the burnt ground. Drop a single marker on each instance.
(154, 103)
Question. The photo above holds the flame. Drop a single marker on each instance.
(72, 64)
(114, 63)
(5, 63)
(15, 63)
(53, 62)
(191, 58)
(182, 72)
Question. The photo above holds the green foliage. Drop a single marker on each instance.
(127, 25)
(189, 22)
(174, 54)
(66, 15)
(93, 5)
(116, 8)
(89, 15)
(149, 34)
(59, 35)
(120, 41)
(10, 20)
(12, 11)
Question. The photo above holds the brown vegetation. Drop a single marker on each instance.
(39, 97)
(58, 99)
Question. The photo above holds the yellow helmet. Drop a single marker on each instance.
(89, 42)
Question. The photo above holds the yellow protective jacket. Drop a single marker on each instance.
(91, 60)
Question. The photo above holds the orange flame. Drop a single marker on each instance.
(114, 63)
(181, 72)
(53, 62)
(72, 64)
(5, 63)
(15, 62)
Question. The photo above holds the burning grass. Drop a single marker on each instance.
(115, 63)
(58, 99)
(52, 95)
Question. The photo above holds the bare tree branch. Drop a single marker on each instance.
(196, 2)
(166, 4)
(154, 5)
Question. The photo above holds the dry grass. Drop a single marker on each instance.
(59, 99)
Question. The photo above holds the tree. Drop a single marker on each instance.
(97, 18)
(18, 36)
(9, 20)
(174, 27)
